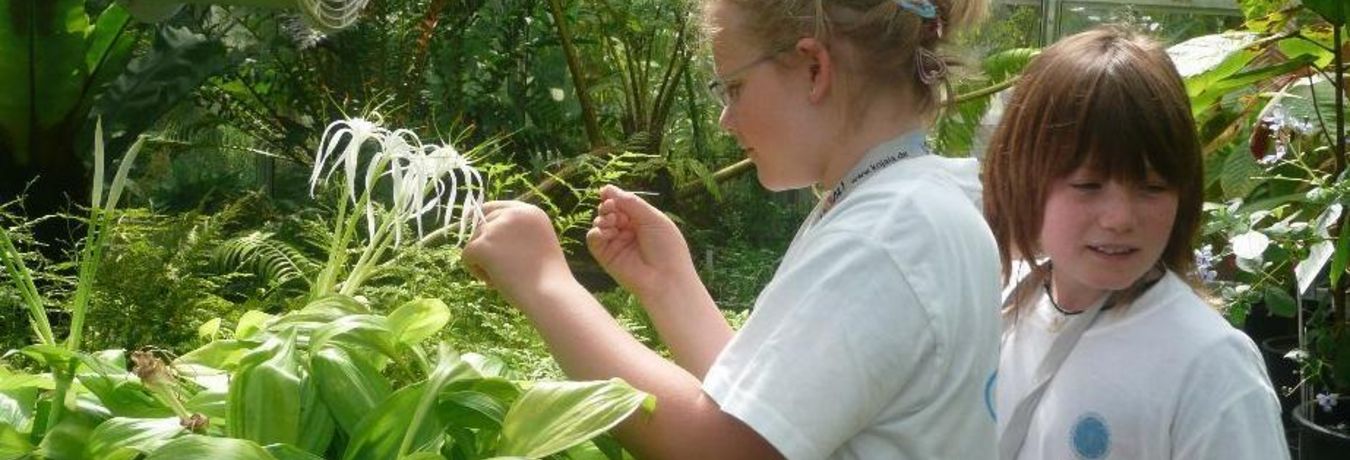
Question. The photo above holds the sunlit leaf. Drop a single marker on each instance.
(554, 416)
(128, 438)
(196, 446)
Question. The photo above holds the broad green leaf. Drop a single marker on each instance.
(423, 456)
(204, 447)
(250, 324)
(68, 438)
(356, 333)
(1007, 63)
(1279, 302)
(1333, 11)
(1239, 173)
(378, 435)
(124, 395)
(48, 355)
(351, 387)
(11, 411)
(42, 71)
(1341, 259)
(289, 452)
(407, 422)
(12, 381)
(316, 423)
(554, 416)
(213, 404)
(209, 329)
(13, 444)
(219, 354)
(128, 438)
(418, 320)
(111, 42)
(265, 399)
(152, 83)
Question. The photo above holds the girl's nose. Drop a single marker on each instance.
(724, 120)
(1119, 210)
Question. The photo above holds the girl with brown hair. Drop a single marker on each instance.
(1093, 189)
(876, 338)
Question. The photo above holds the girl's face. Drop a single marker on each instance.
(767, 106)
(1102, 234)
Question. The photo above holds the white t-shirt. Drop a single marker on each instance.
(878, 336)
(1164, 377)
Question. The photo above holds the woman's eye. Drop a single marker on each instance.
(1086, 186)
(734, 90)
(1157, 188)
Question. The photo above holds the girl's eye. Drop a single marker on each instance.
(1157, 188)
(1086, 186)
(733, 90)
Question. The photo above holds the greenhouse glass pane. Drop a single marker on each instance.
(1170, 24)
(1010, 25)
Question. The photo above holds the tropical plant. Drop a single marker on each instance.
(334, 378)
(1270, 104)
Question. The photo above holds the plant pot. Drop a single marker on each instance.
(1283, 371)
(1324, 435)
(1261, 324)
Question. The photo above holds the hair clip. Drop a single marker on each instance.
(930, 66)
(921, 8)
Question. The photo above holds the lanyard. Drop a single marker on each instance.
(1019, 423)
(879, 158)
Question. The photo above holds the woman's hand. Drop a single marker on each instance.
(516, 251)
(637, 244)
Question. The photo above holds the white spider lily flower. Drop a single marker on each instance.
(356, 132)
(423, 178)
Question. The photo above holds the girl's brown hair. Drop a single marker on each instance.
(883, 36)
(1110, 99)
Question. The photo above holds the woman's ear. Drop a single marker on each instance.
(820, 64)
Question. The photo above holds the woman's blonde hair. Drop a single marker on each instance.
(884, 36)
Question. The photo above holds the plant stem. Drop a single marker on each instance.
(23, 281)
(1340, 290)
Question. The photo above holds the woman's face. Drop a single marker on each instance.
(767, 104)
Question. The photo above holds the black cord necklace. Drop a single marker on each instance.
(1050, 294)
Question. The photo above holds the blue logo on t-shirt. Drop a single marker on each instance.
(1090, 437)
(989, 395)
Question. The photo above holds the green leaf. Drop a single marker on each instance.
(356, 333)
(209, 329)
(197, 446)
(289, 452)
(124, 395)
(68, 438)
(179, 61)
(407, 421)
(316, 423)
(1279, 302)
(351, 387)
(48, 355)
(1341, 259)
(1238, 176)
(418, 320)
(43, 69)
(1333, 11)
(10, 381)
(219, 354)
(250, 324)
(554, 416)
(265, 399)
(128, 438)
(13, 444)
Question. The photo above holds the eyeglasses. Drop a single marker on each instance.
(726, 89)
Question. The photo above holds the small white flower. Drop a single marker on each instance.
(1297, 355)
(1250, 245)
(557, 94)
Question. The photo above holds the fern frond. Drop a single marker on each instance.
(274, 261)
